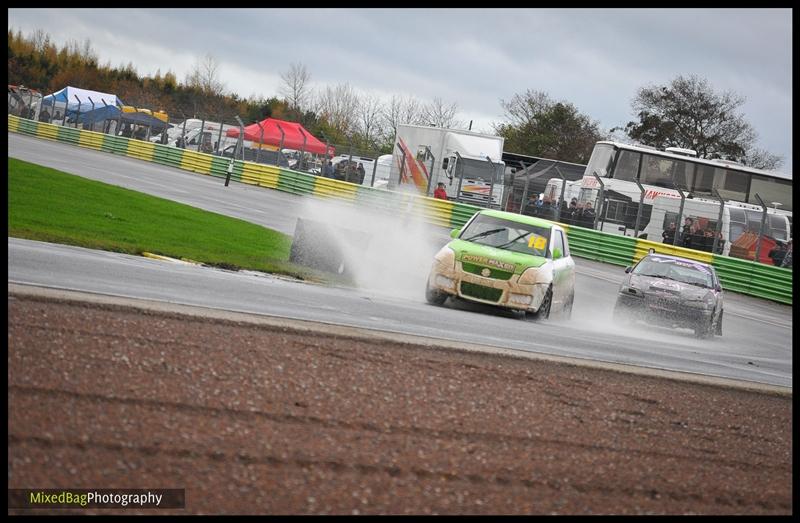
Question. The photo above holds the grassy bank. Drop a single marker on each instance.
(49, 205)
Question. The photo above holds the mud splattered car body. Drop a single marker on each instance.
(507, 260)
(671, 291)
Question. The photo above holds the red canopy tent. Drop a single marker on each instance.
(292, 138)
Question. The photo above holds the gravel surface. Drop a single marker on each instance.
(252, 419)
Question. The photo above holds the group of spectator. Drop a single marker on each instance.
(346, 171)
(575, 213)
(781, 255)
(692, 236)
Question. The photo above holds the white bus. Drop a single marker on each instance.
(620, 165)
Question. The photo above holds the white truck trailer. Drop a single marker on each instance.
(469, 164)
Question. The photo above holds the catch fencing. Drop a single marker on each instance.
(757, 279)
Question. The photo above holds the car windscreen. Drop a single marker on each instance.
(685, 272)
(508, 235)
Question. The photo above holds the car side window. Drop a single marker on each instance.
(565, 242)
(558, 243)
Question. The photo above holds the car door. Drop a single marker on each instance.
(563, 267)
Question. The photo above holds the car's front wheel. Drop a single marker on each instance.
(704, 330)
(622, 315)
(544, 308)
(434, 296)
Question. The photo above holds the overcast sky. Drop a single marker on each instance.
(593, 58)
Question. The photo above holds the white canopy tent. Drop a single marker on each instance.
(80, 99)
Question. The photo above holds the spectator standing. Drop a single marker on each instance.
(361, 173)
(668, 236)
(440, 192)
(787, 259)
(686, 232)
(778, 254)
(587, 216)
(44, 116)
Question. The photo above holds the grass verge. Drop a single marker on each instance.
(49, 205)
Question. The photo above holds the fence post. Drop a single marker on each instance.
(491, 182)
(760, 229)
(460, 167)
(430, 174)
(219, 136)
(719, 220)
(200, 135)
(92, 101)
(639, 210)
(183, 133)
(280, 146)
(30, 112)
(402, 167)
(524, 201)
(78, 113)
(561, 196)
(301, 161)
(240, 140)
(678, 226)
(374, 168)
(261, 142)
(599, 199)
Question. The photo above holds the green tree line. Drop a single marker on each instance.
(685, 112)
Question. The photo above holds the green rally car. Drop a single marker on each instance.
(508, 260)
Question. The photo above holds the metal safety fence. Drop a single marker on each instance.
(756, 279)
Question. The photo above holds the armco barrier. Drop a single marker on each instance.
(737, 275)
(601, 246)
(755, 279)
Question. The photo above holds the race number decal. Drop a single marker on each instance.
(537, 242)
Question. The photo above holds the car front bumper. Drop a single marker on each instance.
(663, 310)
(510, 293)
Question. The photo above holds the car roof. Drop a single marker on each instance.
(678, 258)
(521, 218)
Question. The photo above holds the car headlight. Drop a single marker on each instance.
(702, 303)
(444, 281)
(629, 290)
(535, 275)
(446, 256)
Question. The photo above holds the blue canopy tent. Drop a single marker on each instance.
(126, 119)
(80, 100)
(106, 112)
(145, 120)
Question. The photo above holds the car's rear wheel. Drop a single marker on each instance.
(435, 297)
(544, 309)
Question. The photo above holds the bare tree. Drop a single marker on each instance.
(339, 106)
(295, 86)
(405, 110)
(762, 159)
(438, 114)
(205, 76)
(370, 110)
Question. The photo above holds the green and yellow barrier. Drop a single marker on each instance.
(742, 276)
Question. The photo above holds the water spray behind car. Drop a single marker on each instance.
(386, 250)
